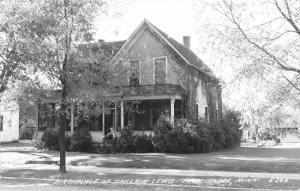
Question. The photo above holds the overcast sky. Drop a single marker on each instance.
(174, 17)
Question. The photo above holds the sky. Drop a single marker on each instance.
(174, 17)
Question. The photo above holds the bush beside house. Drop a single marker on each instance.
(127, 142)
(80, 141)
(182, 136)
(188, 137)
(27, 132)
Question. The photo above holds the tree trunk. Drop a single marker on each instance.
(62, 143)
(63, 79)
(62, 127)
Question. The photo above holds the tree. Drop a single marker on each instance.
(266, 38)
(257, 47)
(58, 28)
(18, 57)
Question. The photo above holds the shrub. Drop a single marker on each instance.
(37, 141)
(105, 147)
(143, 143)
(204, 139)
(178, 142)
(232, 128)
(125, 142)
(160, 129)
(180, 137)
(185, 136)
(81, 140)
(26, 132)
(269, 134)
(50, 139)
(218, 135)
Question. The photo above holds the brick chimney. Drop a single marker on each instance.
(100, 42)
(187, 41)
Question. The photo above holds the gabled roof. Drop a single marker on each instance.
(189, 55)
(186, 54)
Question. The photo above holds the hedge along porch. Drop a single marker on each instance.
(136, 106)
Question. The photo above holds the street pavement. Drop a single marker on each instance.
(23, 168)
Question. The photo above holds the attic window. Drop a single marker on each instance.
(134, 76)
(160, 70)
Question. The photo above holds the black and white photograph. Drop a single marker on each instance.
(147, 95)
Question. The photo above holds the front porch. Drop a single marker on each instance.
(136, 106)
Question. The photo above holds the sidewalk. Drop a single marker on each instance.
(114, 178)
(163, 172)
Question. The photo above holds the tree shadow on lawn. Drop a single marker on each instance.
(250, 159)
(239, 159)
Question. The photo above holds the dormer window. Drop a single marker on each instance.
(134, 76)
(160, 70)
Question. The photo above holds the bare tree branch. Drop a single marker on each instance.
(263, 24)
(283, 65)
(290, 82)
(288, 17)
(280, 35)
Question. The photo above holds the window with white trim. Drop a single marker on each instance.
(134, 76)
(160, 70)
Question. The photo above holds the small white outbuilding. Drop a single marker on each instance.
(9, 122)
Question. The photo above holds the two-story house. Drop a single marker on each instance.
(163, 76)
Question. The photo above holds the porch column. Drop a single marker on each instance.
(103, 119)
(122, 114)
(172, 109)
(72, 119)
(116, 115)
(37, 116)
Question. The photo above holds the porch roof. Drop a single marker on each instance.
(151, 90)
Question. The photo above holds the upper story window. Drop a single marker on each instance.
(160, 70)
(134, 76)
(1, 123)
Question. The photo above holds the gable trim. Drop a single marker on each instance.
(166, 40)
(128, 41)
(122, 49)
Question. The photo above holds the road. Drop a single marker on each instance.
(23, 168)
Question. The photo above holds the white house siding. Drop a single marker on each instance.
(10, 130)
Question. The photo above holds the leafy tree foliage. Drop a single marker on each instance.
(18, 52)
(45, 36)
